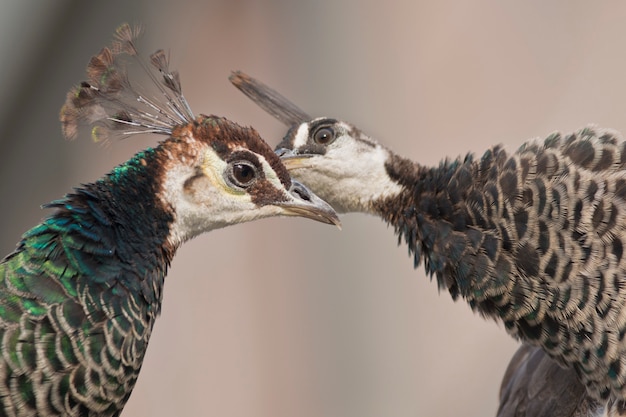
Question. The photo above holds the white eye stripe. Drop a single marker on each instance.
(268, 171)
(302, 135)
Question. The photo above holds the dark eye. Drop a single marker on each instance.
(243, 173)
(324, 135)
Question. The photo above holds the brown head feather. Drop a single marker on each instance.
(225, 136)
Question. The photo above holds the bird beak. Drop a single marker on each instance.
(304, 203)
(292, 160)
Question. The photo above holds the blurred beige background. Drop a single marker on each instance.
(286, 317)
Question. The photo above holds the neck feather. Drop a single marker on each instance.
(429, 198)
(454, 220)
(113, 231)
(508, 240)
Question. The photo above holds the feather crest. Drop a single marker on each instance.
(116, 107)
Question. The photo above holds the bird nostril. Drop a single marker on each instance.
(300, 191)
(281, 152)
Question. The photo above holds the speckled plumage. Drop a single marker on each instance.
(80, 294)
(533, 238)
(78, 303)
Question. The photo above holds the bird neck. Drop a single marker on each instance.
(114, 231)
(531, 239)
(443, 215)
(428, 198)
(462, 220)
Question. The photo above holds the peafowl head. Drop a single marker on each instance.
(209, 172)
(344, 166)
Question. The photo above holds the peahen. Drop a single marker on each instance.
(80, 294)
(532, 238)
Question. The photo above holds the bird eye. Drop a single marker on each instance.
(242, 173)
(324, 135)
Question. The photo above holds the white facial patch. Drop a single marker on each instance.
(214, 167)
(201, 199)
(270, 174)
(350, 176)
(302, 136)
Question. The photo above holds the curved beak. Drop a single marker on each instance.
(291, 159)
(304, 203)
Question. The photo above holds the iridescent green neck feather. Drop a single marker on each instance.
(80, 294)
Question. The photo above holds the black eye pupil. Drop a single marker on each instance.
(324, 136)
(243, 173)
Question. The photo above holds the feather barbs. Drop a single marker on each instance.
(116, 107)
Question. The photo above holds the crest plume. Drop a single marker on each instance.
(533, 238)
(269, 99)
(114, 105)
(81, 292)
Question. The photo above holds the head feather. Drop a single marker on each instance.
(115, 106)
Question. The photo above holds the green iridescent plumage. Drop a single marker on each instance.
(77, 303)
(80, 294)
